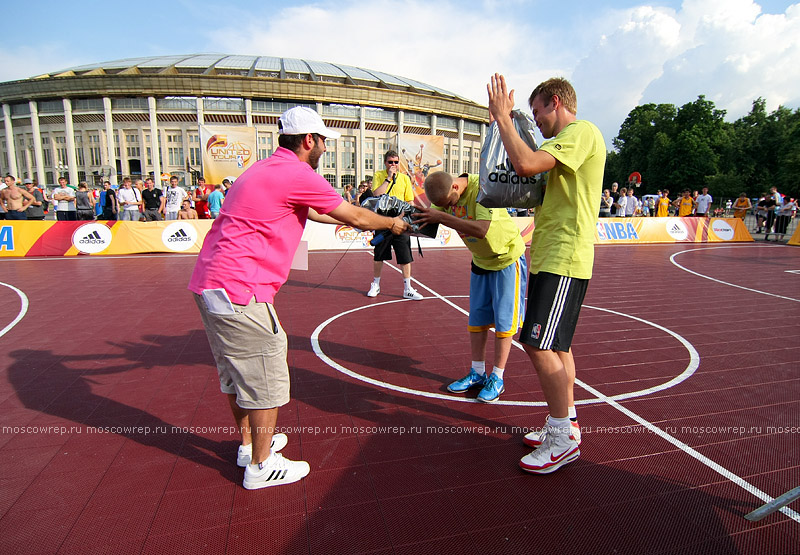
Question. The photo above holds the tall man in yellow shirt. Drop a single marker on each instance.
(391, 182)
(562, 251)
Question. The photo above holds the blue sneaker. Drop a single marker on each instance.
(492, 390)
(470, 380)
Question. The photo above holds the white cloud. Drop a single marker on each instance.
(611, 78)
(734, 55)
(726, 50)
(440, 43)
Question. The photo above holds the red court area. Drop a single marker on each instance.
(116, 439)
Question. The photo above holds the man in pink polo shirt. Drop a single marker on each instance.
(245, 259)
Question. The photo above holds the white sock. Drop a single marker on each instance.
(561, 424)
(498, 372)
(571, 413)
(254, 466)
(376, 280)
(479, 366)
(407, 283)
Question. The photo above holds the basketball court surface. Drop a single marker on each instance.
(116, 439)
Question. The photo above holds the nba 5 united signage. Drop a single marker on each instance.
(616, 231)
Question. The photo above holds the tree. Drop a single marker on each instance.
(693, 146)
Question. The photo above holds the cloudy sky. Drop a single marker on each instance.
(617, 53)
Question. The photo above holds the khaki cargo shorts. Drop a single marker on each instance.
(250, 349)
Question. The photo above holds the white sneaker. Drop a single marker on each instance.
(412, 294)
(245, 454)
(374, 289)
(557, 450)
(536, 438)
(275, 471)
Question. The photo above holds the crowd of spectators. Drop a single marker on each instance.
(131, 201)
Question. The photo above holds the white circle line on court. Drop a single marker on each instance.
(22, 310)
(672, 259)
(694, 362)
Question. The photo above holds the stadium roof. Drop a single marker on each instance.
(254, 66)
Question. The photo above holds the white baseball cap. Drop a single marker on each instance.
(301, 120)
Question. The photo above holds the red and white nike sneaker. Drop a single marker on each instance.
(558, 449)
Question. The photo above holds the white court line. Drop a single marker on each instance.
(694, 362)
(22, 310)
(719, 469)
(672, 259)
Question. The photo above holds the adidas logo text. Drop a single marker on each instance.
(179, 236)
(92, 239)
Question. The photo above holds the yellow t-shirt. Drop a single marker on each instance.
(740, 207)
(685, 207)
(502, 245)
(563, 239)
(401, 189)
(663, 207)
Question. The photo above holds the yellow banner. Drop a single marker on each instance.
(795, 239)
(670, 230)
(227, 151)
(37, 238)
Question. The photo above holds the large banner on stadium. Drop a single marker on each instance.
(419, 156)
(227, 151)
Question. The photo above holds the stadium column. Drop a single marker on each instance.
(248, 113)
(72, 160)
(155, 143)
(400, 123)
(362, 137)
(110, 153)
(38, 155)
(27, 155)
(12, 152)
(462, 169)
(433, 125)
(201, 121)
(200, 117)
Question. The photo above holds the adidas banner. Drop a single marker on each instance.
(49, 238)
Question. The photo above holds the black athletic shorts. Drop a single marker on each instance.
(402, 249)
(553, 307)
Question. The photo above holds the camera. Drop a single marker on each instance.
(392, 207)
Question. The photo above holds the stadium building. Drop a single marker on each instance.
(102, 121)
